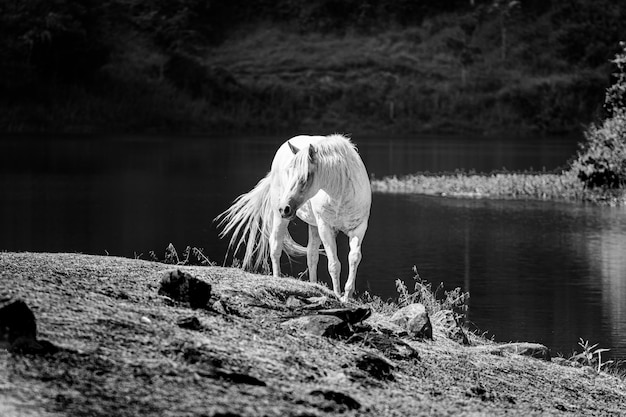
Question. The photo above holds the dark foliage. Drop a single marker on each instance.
(589, 31)
(60, 40)
(104, 57)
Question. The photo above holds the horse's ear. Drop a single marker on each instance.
(293, 148)
(312, 153)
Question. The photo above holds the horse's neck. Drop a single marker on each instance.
(350, 186)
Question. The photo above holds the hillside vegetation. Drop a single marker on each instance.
(325, 65)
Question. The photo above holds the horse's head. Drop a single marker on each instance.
(300, 185)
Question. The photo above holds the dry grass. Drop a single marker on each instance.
(124, 355)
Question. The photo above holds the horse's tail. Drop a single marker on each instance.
(292, 247)
(250, 220)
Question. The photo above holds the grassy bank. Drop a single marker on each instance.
(497, 185)
(122, 352)
(564, 186)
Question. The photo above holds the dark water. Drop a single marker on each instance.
(537, 271)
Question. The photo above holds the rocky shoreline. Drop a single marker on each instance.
(130, 337)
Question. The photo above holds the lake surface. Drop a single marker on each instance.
(537, 271)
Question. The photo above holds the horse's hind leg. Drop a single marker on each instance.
(313, 252)
(354, 259)
(328, 235)
(277, 236)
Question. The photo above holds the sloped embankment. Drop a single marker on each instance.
(126, 350)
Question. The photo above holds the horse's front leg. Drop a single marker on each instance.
(354, 259)
(313, 252)
(328, 235)
(277, 236)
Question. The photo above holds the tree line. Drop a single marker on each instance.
(78, 42)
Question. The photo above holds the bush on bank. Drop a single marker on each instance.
(601, 161)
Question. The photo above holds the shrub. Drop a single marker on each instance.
(601, 160)
(433, 300)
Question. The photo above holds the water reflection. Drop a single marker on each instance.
(545, 272)
(606, 252)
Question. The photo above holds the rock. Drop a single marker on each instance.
(191, 323)
(220, 307)
(17, 321)
(18, 329)
(350, 315)
(335, 378)
(376, 366)
(415, 320)
(328, 326)
(223, 307)
(446, 321)
(33, 347)
(294, 302)
(240, 378)
(383, 325)
(534, 350)
(481, 392)
(391, 346)
(185, 288)
(337, 402)
(232, 377)
(321, 300)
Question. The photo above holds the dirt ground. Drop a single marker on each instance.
(123, 352)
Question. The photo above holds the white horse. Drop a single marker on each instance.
(323, 181)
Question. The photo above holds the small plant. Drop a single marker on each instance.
(190, 256)
(404, 298)
(377, 304)
(195, 256)
(434, 300)
(590, 355)
(171, 256)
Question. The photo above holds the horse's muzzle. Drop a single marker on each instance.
(287, 212)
